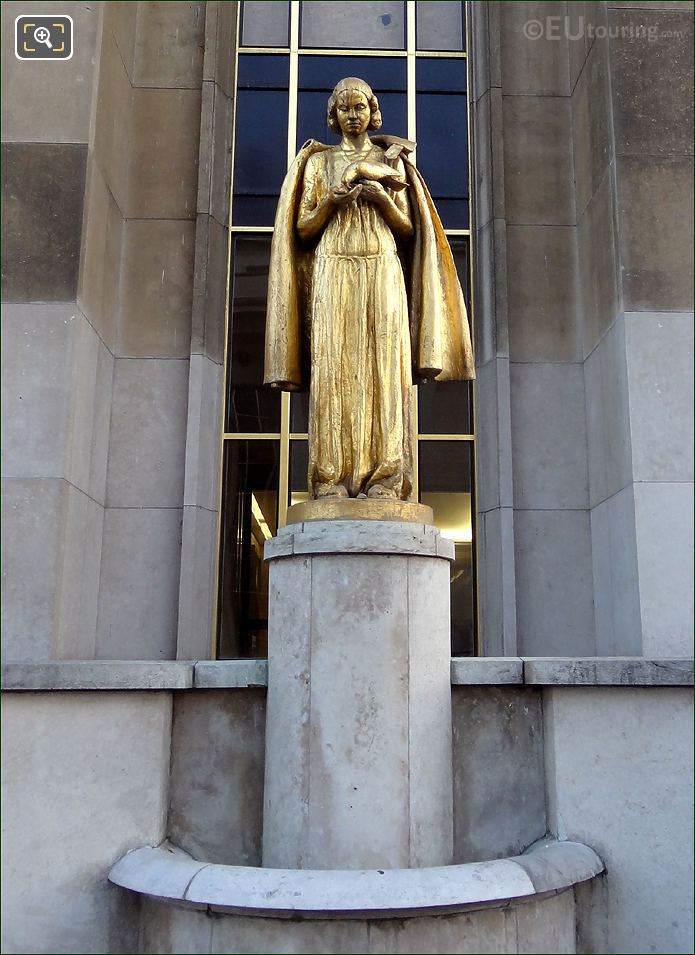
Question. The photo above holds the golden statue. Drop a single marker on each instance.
(361, 272)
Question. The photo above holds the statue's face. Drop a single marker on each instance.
(353, 112)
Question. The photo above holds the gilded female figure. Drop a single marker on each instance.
(348, 217)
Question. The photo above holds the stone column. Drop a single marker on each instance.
(358, 738)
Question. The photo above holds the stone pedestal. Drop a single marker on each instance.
(358, 741)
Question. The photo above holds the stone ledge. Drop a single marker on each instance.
(359, 537)
(484, 671)
(169, 874)
(98, 675)
(230, 674)
(607, 671)
(242, 674)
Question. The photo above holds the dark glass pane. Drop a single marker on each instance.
(454, 213)
(258, 71)
(445, 468)
(260, 155)
(384, 74)
(311, 115)
(249, 508)
(265, 23)
(444, 407)
(439, 25)
(256, 210)
(250, 405)
(347, 25)
(445, 484)
(442, 152)
(299, 412)
(299, 467)
(440, 75)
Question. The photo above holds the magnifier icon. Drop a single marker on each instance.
(43, 35)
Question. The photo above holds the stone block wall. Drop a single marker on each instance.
(56, 382)
(114, 276)
(583, 124)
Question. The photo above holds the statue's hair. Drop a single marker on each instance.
(353, 84)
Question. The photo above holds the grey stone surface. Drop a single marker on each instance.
(208, 313)
(499, 798)
(358, 770)
(542, 272)
(163, 153)
(231, 674)
(43, 196)
(538, 65)
(549, 927)
(111, 141)
(591, 121)
(288, 713)
(169, 45)
(203, 433)
(659, 350)
(493, 438)
(651, 79)
(216, 783)
(548, 448)
(360, 764)
(41, 103)
(616, 578)
(482, 123)
(165, 928)
(154, 315)
(382, 894)
(31, 541)
(139, 587)
(656, 226)
(197, 584)
(608, 415)
(607, 671)
(357, 537)
(98, 675)
(485, 671)
(98, 285)
(89, 773)
(148, 434)
(598, 264)
(538, 167)
(429, 689)
(497, 582)
(554, 590)
(623, 785)
(664, 528)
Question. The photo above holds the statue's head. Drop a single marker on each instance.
(352, 98)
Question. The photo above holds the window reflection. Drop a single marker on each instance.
(250, 406)
(439, 25)
(346, 24)
(250, 497)
(299, 468)
(265, 23)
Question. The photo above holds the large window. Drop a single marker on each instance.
(289, 57)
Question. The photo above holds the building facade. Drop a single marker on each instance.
(144, 466)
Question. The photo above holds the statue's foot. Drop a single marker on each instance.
(379, 491)
(331, 490)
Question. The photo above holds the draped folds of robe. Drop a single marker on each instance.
(342, 298)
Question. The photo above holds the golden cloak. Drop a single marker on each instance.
(439, 331)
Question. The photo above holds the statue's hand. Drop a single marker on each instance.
(342, 196)
(374, 192)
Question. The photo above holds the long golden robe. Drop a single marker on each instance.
(345, 293)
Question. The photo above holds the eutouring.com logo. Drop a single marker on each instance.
(43, 38)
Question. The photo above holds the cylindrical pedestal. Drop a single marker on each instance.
(358, 735)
